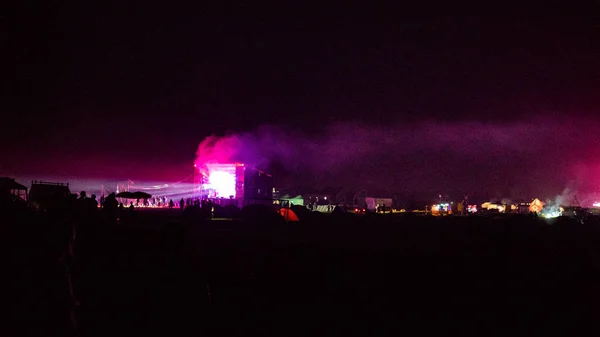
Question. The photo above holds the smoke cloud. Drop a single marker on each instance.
(547, 158)
(518, 160)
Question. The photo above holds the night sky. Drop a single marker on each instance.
(496, 100)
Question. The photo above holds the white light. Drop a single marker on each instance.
(223, 183)
(551, 215)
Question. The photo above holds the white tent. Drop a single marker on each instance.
(297, 200)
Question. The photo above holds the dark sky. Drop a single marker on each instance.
(132, 89)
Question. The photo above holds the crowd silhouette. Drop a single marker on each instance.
(80, 269)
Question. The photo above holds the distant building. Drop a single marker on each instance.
(572, 211)
(373, 204)
(276, 194)
(523, 208)
(10, 189)
(44, 194)
(257, 187)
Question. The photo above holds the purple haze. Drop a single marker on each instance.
(539, 157)
(517, 160)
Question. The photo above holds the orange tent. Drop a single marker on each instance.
(288, 214)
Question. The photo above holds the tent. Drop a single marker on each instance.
(297, 200)
(288, 214)
(134, 195)
(338, 210)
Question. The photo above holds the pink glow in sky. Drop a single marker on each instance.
(515, 159)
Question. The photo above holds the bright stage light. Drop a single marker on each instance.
(223, 183)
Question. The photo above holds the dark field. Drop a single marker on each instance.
(161, 273)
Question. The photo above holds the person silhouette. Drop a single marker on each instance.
(93, 202)
(110, 206)
(181, 203)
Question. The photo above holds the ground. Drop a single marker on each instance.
(162, 274)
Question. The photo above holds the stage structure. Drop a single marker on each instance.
(235, 184)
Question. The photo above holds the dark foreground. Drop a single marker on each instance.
(164, 274)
